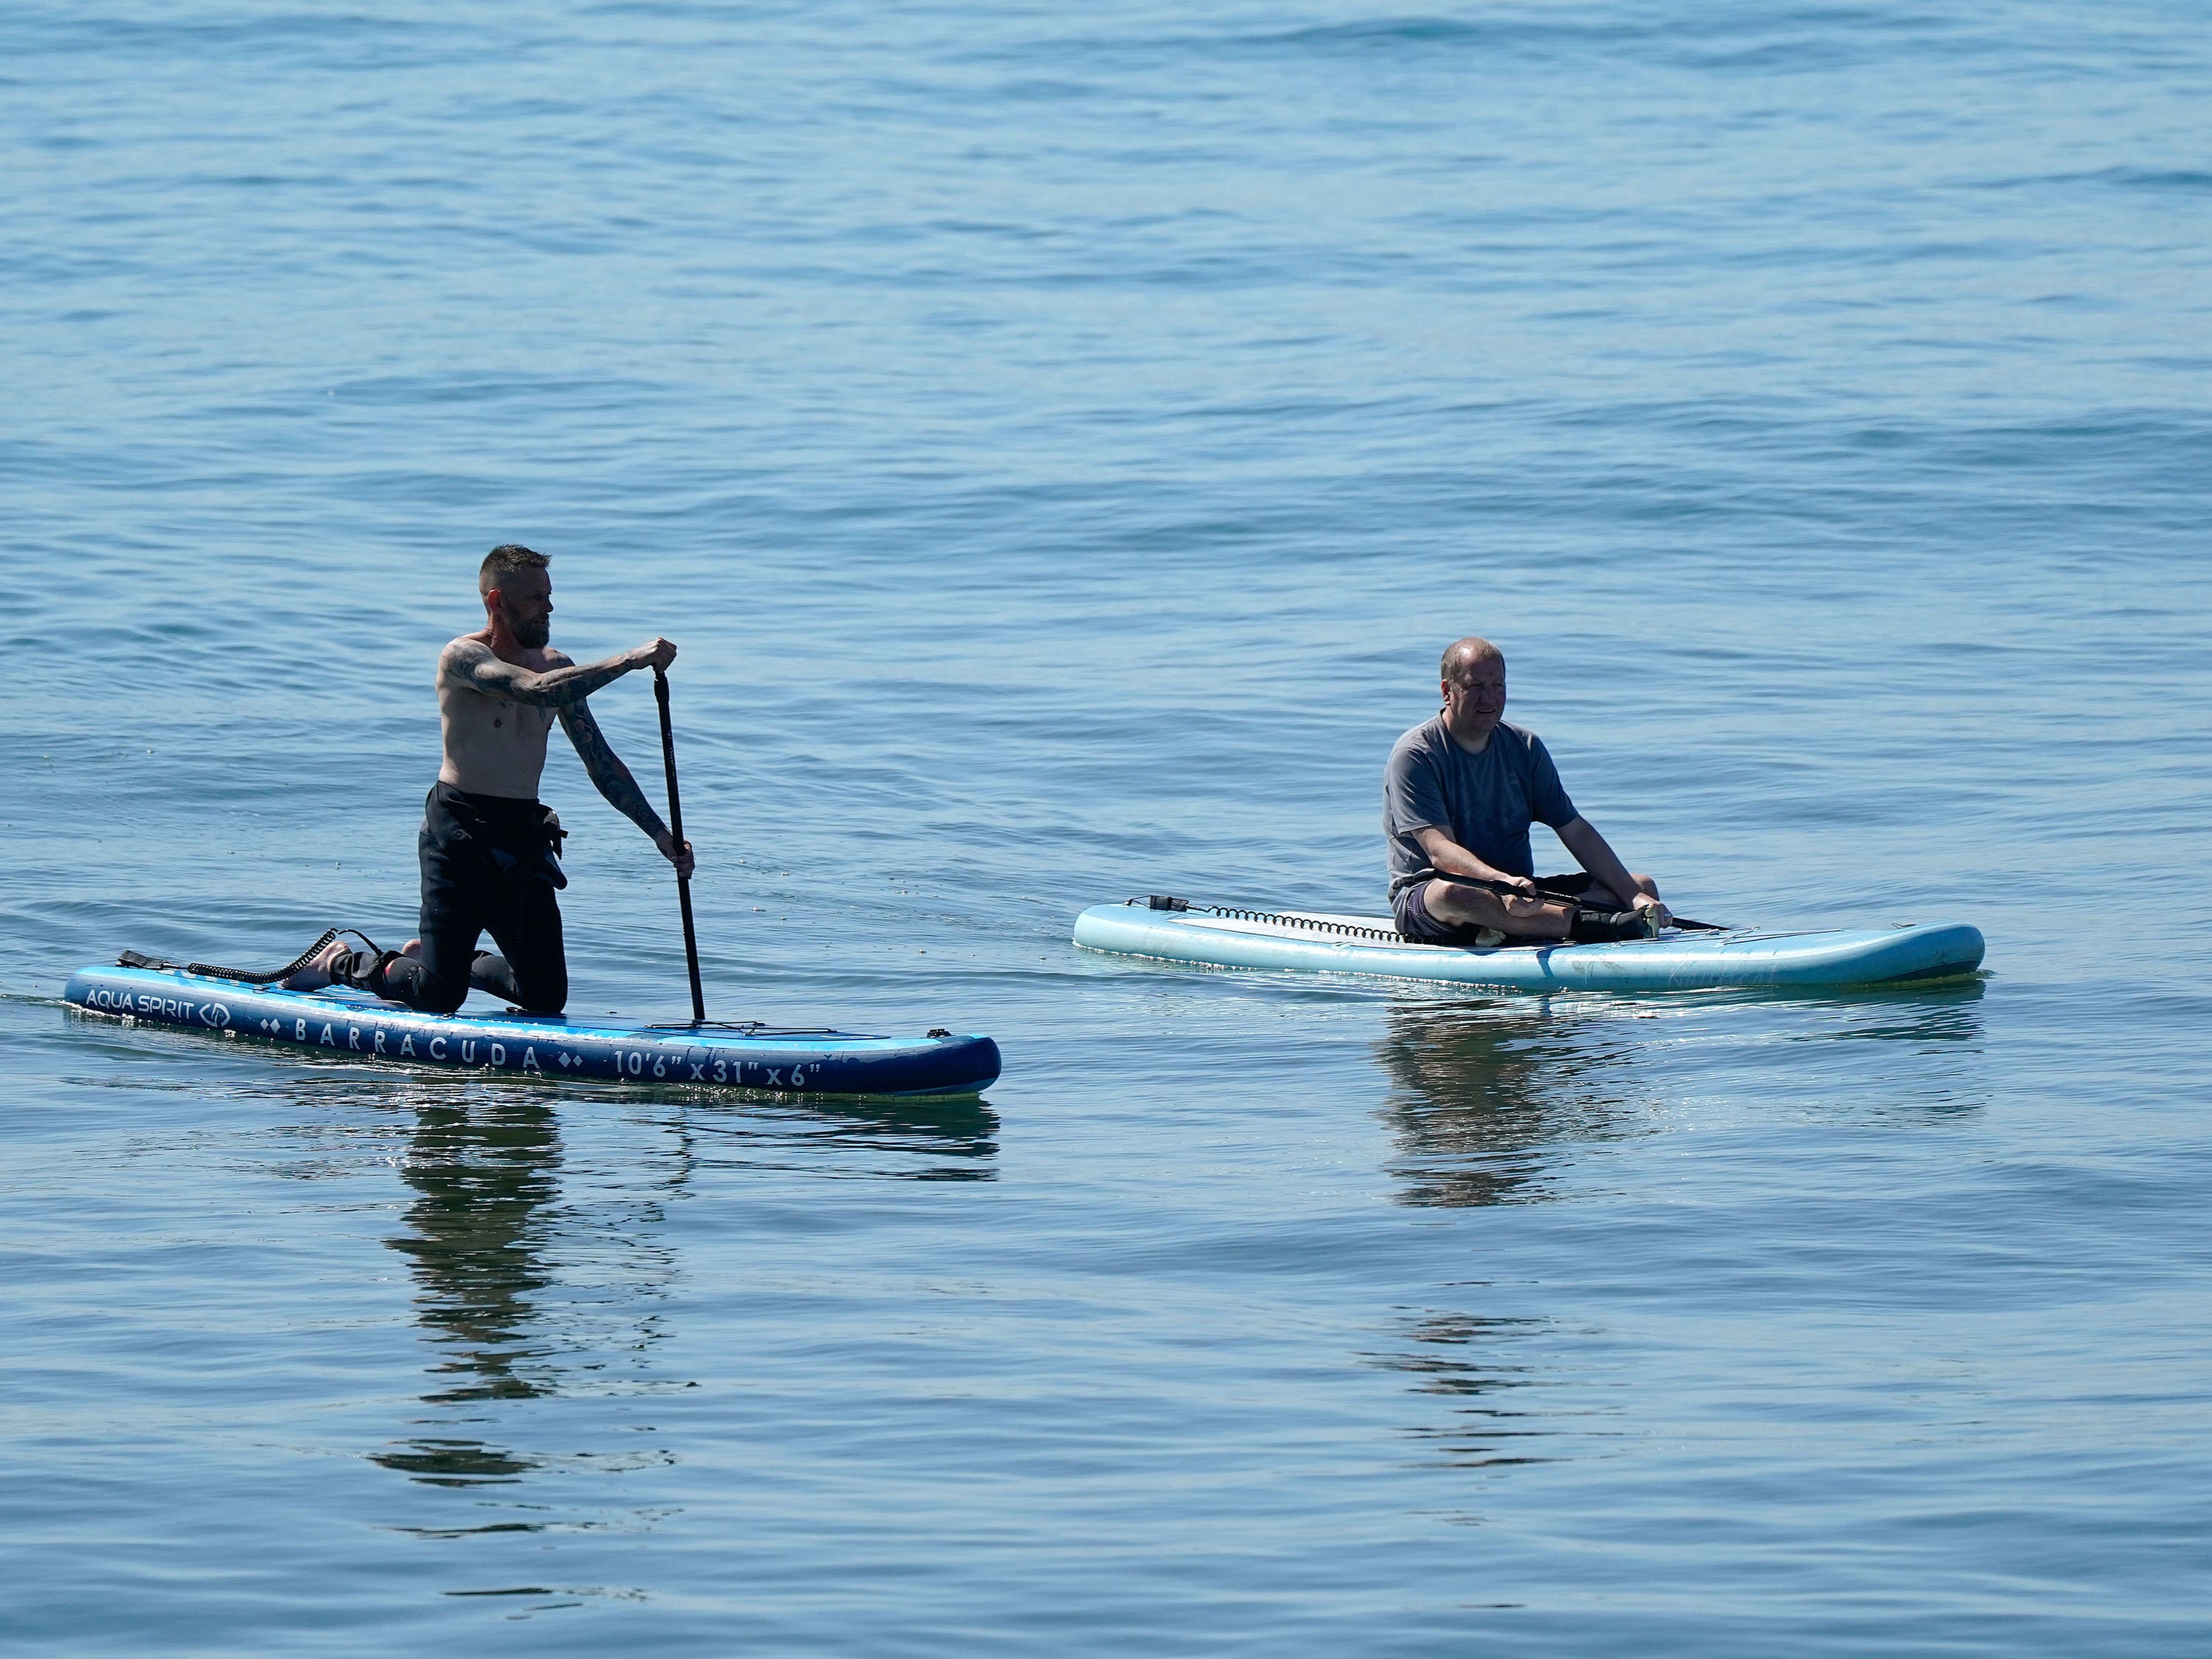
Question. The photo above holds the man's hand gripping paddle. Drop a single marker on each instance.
(675, 834)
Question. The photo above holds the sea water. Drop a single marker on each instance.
(1060, 441)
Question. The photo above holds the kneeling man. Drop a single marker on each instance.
(1458, 797)
(489, 850)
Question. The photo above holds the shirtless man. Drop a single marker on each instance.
(1458, 797)
(490, 852)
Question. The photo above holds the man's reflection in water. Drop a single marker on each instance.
(1488, 1097)
(478, 1228)
(1479, 1088)
(483, 1178)
(498, 1249)
(1480, 1367)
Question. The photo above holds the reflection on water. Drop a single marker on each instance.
(1482, 1089)
(536, 1274)
(1479, 1090)
(477, 1242)
(438, 1462)
(921, 1138)
(480, 1228)
(1489, 1099)
(1941, 1023)
(1480, 1365)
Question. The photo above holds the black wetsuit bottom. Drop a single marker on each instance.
(490, 863)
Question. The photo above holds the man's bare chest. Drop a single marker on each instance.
(521, 719)
(497, 721)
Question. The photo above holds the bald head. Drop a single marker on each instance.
(1474, 691)
(1463, 654)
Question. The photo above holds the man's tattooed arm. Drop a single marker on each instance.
(610, 776)
(471, 663)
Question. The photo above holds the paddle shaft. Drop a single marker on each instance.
(675, 833)
(1505, 890)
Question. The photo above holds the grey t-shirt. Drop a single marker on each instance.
(1484, 802)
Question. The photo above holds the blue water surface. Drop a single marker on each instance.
(1060, 442)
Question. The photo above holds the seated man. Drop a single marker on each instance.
(1458, 797)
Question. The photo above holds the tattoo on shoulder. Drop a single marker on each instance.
(459, 661)
(470, 662)
(462, 652)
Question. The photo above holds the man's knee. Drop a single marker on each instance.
(428, 995)
(440, 993)
(1465, 907)
(427, 981)
(443, 1000)
(540, 964)
(547, 994)
(536, 984)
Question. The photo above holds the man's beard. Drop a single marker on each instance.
(529, 636)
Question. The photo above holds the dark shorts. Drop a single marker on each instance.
(1410, 904)
(490, 863)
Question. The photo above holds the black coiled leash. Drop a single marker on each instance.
(244, 977)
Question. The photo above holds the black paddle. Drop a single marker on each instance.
(676, 832)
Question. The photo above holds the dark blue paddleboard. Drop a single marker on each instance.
(362, 1026)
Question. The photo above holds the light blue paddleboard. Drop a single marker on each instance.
(1319, 942)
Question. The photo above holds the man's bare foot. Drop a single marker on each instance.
(317, 973)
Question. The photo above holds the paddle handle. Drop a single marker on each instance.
(676, 832)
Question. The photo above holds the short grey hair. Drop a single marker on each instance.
(504, 561)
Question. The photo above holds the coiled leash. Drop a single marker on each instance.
(244, 977)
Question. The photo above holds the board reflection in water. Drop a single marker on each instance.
(1887, 1051)
(851, 1140)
